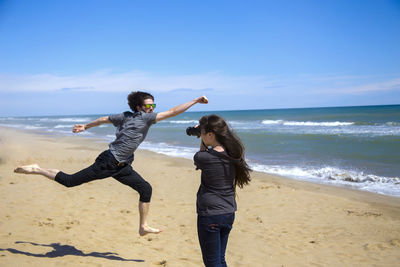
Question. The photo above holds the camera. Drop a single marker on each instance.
(193, 131)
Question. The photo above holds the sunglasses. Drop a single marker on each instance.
(149, 105)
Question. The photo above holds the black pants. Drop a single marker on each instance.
(107, 166)
(213, 232)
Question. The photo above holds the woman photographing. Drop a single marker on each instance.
(223, 167)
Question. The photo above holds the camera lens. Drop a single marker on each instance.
(193, 131)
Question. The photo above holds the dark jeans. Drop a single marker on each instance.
(213, 232)
(107, 166)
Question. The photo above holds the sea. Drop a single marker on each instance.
(356, 147)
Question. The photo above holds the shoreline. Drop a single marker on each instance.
(99, 140)
(280, 221)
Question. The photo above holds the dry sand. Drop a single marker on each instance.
(280, 222)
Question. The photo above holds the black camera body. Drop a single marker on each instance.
(193, 131)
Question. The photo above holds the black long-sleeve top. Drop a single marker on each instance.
(216, 194)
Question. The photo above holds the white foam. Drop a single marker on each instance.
(72, 119)
(85, 133)
(272, 122)
(32, 127)
(63, 126)
(326, 175)
(12, 125)
(23, 126)
(336, 176)
(11, 119)
(169, 150)
(183, 121)
(326, 128)
(307, 123)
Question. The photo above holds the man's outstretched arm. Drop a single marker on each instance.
(180, 109)
(81, 127)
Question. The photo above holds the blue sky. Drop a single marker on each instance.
(84, 57)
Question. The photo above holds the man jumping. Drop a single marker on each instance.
(116, 161)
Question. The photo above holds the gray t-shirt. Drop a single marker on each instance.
(216, 194)
(132, 129)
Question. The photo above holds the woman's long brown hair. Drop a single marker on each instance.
(232, 144)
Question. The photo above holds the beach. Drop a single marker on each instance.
(279, 222)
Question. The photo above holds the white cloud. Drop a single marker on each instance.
(387, 85)
(218, 82)
(105, 81)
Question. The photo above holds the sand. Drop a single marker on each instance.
(279, 222)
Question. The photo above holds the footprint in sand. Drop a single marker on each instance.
(182, 229)
(266, 187)
(394, 243)
(161, 263)
(125, 211)
(366, 213)
(70, 224)
(50, 224)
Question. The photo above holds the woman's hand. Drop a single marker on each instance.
(202, 146)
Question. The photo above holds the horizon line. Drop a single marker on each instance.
(224, 110)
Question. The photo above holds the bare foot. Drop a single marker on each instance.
(144, 230)
(27, 169)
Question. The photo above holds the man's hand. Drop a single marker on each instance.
(82, 127)
(78, 128)
(202, 100)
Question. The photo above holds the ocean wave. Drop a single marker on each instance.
(11, 119)
(307, 123)
(170, 150)
(74, 119)
(63, 126)
(272, 122)
(336, 176)
(71, 119)
(365, 123)
(364, 131)
(238, 123)
(23, 126)
(12, 125)
(69, 133)
(325, 175)
(33, 127)
(282, 127)
(182, 121)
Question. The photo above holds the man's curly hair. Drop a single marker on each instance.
(137, 99)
